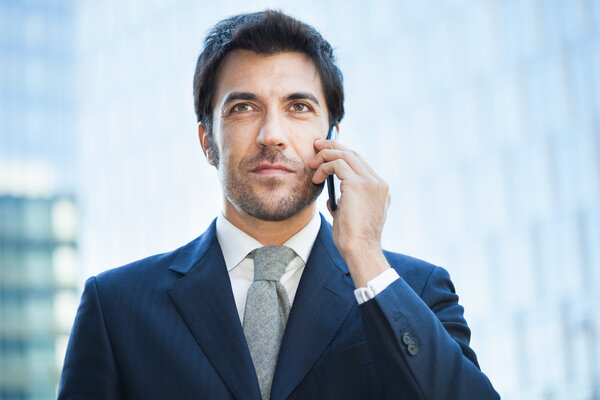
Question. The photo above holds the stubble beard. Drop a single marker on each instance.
(271, 204)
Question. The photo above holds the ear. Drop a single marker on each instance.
(204, 143)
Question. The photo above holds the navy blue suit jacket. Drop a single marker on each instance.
(166, 327)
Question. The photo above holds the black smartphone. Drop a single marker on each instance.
(331, 178)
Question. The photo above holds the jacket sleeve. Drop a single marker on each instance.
(420, 342)
(90, 370)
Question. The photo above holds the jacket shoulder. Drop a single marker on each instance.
(159, 267)
(140, 267)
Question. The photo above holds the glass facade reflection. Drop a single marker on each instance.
(39, 266)
(38, 293)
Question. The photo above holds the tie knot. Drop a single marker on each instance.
(270, 262)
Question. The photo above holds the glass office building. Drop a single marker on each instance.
(39, 276)
(39, 267)
(37, 91)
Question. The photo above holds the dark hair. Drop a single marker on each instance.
(266, 32)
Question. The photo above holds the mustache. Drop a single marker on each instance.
(272, 155)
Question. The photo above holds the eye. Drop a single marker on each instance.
(300, 107)
(242, 107)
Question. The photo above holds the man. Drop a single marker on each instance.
(234, 314)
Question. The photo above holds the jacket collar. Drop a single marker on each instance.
(324, 299)
(204, 299)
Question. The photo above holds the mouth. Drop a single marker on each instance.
(272, 169)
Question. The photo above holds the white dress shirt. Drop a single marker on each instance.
(236, 245)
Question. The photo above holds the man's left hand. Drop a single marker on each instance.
(362, 207)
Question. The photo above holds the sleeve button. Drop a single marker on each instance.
(413, 349)
(406, 338)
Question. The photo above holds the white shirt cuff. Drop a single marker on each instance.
(376, 285)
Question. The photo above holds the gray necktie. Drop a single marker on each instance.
(267, 310)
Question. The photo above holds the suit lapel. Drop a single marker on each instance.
(323, 300)
(205, 301)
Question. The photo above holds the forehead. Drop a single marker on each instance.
(267, 75)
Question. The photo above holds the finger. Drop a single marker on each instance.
(331, 148)
(327, 155)
(335, 145)
(339, 167)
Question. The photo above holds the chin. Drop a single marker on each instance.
(274, 205)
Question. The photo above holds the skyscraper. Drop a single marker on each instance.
(39, 277)
(39, 267)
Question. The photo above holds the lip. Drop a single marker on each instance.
(271, 169)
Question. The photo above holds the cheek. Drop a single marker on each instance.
(232, 145)
(230, 157)
(305, 146)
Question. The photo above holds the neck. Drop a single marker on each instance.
(269, 232)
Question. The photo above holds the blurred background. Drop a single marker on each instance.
(483, 116)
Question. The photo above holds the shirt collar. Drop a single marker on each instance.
(236, 244)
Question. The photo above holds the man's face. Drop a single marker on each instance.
(267, 113)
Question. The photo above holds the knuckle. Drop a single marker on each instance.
(340, 162)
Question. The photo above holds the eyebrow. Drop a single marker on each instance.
(303, 96)
(252, 97)
(238, 96)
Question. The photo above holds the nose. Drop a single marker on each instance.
(272, 132)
